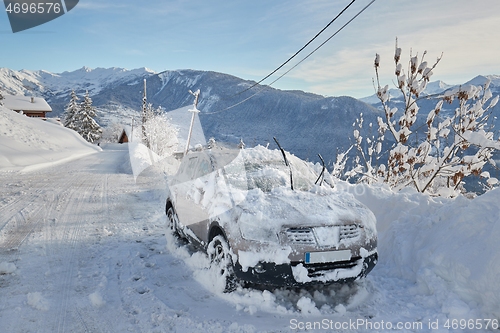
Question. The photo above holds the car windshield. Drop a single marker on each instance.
(267, 174)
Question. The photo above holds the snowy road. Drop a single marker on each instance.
(83, 249)
(89, 247)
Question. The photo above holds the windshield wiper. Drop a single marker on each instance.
(322, 174)
(286, 162)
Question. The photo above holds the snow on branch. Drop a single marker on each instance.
(434, 156)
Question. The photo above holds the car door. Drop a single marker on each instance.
(190, 188)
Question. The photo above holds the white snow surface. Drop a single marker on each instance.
(25, 103)
(29, 143)
(84, 248)
(448, 248)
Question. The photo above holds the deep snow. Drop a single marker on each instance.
(84, 248)
(27, 143)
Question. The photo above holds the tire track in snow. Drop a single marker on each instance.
(19, 214)
(27, 220)
(13, 198)
(46, 211)
(72, 227)
(20, 227)
(86, 211)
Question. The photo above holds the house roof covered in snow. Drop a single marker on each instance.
(26, 103)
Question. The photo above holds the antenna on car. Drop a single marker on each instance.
(286, 162)
(322, 174)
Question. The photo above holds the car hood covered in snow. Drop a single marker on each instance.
(283, 207)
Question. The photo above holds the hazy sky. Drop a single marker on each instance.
(249, 39)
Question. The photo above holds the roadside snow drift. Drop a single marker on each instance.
(449, 248)
(29, 143)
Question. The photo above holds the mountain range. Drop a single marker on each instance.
(306, 124)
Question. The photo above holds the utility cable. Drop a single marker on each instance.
(326, 41)
(288, 71)
(296, 53)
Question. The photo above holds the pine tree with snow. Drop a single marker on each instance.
(88, 128)
(71, 113)
(1, 99)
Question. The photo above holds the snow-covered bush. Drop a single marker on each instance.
(161, 135)
(455, 146)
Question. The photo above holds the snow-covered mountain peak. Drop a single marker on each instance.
(436, 87)
(480, 80)
(106, 74)
(42, 82)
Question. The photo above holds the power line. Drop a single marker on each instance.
(288, 71)
(326, 41)
(301, 49)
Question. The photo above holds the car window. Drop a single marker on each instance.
(203, 168)
(187, 169)
(266, 174)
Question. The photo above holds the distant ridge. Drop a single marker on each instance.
(305, 123)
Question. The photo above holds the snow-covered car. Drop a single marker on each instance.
(271, 220)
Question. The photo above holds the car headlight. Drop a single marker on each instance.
(253, 228)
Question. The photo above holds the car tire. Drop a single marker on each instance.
(173, 221)
(221, 262)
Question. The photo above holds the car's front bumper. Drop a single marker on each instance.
(299, 273)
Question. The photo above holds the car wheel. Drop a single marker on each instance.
(221, 263)
(173, 221)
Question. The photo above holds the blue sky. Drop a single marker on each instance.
(249, 39)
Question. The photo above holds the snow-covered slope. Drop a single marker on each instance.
(28, 143)
(55, 86)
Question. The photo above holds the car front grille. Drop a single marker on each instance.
(306, 235)
(301, 236)
(349, 231)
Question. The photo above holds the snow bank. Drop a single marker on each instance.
(28, 143)
(447, 247)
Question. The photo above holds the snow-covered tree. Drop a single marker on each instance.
(1, 99)
(161, 133)
(88, 128)
(71, 112)
(453, 147)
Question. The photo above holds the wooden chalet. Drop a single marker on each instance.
(123, 137)
(31, 106)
